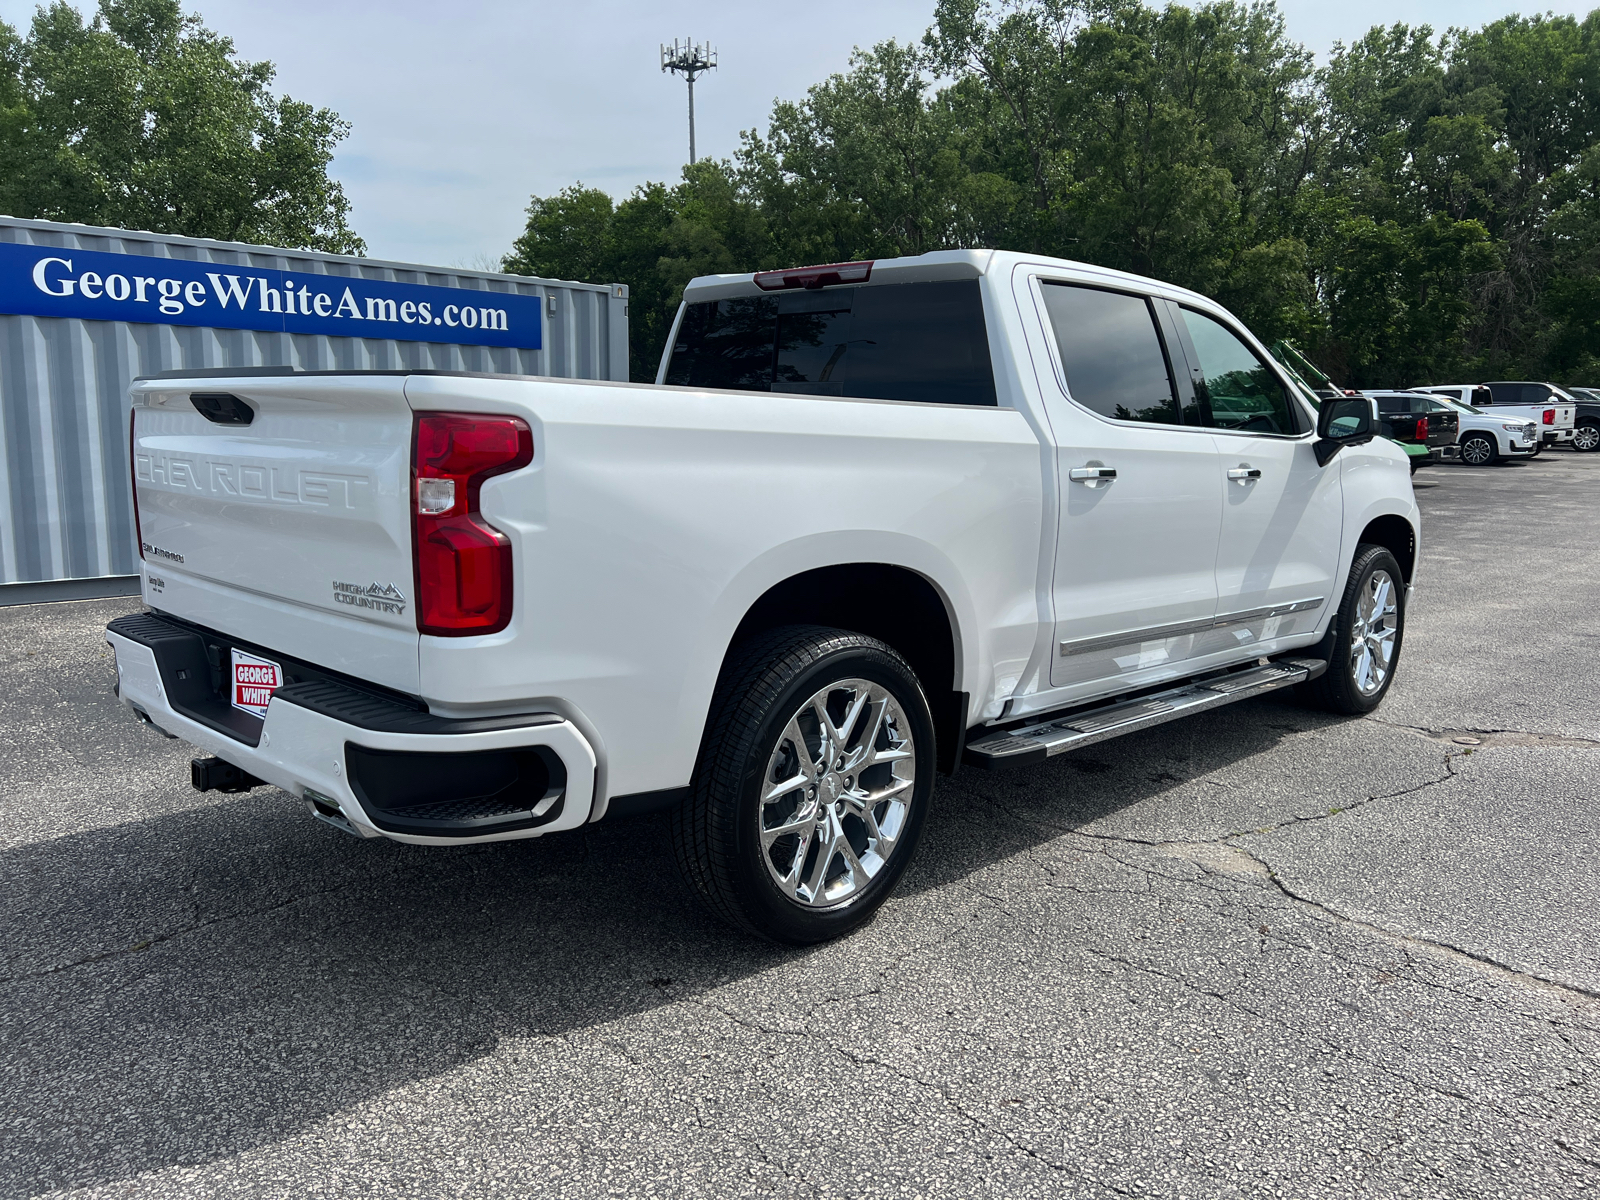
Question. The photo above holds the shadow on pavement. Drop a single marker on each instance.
(185, 987)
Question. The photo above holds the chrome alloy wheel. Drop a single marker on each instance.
(1372, 633)
(1476, 451)
(836, 793)
(1586, 437)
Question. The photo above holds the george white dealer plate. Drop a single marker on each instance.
(254, 680)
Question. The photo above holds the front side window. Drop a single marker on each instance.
(1112, 353)
(908, 341)
(1241, 390)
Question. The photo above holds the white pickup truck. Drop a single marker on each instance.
(873, 520)
(1553, 410)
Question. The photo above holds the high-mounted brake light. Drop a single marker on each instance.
(1422, 429)
(1549, 416)
(814, 277)
(462, 563)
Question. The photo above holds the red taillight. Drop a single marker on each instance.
(1549, 416)
(814, 277)
(463, 563)
(133, 482)
(1422, 429)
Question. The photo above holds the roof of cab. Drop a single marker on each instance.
(945, 264)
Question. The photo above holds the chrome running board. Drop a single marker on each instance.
(1061, 732)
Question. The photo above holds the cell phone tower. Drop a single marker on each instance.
(690, 60)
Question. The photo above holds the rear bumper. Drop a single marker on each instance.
(368, 764)
(1554, 436)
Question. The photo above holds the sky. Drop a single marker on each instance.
(462, 110)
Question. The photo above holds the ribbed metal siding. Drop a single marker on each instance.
(67, 512)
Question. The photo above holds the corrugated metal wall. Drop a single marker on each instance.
(65, 508)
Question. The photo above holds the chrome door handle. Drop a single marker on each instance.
(1091, 474)
(1244, 474)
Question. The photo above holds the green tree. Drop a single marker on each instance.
(142, 118)
(656, 240)
(1423, 207)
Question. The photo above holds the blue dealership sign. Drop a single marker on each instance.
(46, 281)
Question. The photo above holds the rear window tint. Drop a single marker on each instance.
(907, 341)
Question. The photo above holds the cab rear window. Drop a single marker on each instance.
(907, 341)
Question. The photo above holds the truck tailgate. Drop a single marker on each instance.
(286, 522)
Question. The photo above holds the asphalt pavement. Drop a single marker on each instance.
(1259, 953)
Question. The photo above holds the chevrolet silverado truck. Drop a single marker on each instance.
(872, 521)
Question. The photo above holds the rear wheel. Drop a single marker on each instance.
(1363, 642)
(1478, 450)
(812, 785)
(1586, 437)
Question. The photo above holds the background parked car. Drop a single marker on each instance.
(1586, 433)
(1414, 421)
(1553, 409)
(1487, 437)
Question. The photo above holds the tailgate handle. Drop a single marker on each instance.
(222, 408)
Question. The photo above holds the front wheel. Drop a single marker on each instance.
(1586, 437)
(812, 785)
(1363, 642)
(1477, 450)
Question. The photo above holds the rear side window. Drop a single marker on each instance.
(908, 341)
(1241, 390)
(1519, 393)
(725, 344)
(1112, 353)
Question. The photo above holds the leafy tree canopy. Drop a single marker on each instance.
(1424, 206)
(142, 118)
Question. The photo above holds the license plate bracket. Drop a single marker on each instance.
(251, 681)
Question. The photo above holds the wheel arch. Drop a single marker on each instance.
(1395, 534)
(1496, 446)
(893, 603)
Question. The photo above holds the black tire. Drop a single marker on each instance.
(1479, 450)
(717, 831)
(1586, 437)
(1338, 689)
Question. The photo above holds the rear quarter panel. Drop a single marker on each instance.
(652, 518)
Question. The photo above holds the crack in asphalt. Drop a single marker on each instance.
(1331, 1047)
(155, 940)
(1502, 737)
(1266, 873)
(939, 1089)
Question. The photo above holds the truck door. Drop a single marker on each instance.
(1140, 498)
(1282, 513)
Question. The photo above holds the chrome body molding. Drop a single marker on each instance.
(1158, 632)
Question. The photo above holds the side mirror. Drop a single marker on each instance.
(1346, 421)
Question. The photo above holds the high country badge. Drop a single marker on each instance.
(384, 597)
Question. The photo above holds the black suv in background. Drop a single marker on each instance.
(1586, 434)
